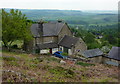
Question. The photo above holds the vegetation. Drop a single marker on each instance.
(62, 72)
(74, 17)
(87, 25)
(22, 67)
(110, 35)
(84, 64)
(65, 54)
(14, 27)
(38, 68)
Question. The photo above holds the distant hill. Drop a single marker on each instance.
(72, 16)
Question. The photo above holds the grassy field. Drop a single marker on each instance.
(19, 67)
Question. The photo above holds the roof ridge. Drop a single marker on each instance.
(61, 28)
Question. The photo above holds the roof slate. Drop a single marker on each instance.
(49, 29)
(68, 41)
(47, 45)
(92, 53)
(114, 53)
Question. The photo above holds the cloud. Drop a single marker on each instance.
(61, 4)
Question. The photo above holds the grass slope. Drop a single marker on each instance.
(19, 67)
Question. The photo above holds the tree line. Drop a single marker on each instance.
(110, 35)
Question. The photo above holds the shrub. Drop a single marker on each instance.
(33, 65)
(84, 64)
(37, 60)
(45, 67)
(65, 54)
(37, 51)
(8, 58)
(62, 72)
(53, 59)
(14, 63)
(48, 53)
(15, 46)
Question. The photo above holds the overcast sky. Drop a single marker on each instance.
(61, 4)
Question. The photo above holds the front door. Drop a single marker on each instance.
(50, 50)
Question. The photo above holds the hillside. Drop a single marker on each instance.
(19, 67)
(72, 16)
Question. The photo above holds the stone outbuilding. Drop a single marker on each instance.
(94, 55)
(113, 57)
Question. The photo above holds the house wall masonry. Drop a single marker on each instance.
(64, 31)
(47, 39)
(80, 46)
(111, 61)
(97, 59)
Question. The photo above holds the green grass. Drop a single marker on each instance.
(36, 60)
(38, 68)
(9, 58)
(53, 59)
(21, 55)
(65, 54)
(60, 71)
(84, 64)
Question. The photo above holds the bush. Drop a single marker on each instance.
(37, 51)
(45, 67)
(93, 45)
(53, 59)
(15, 46)
(48, 53)
(36, 60)
(62, 72)
(8, 58)
(14, 63)
(84, 64)
(65, 54)
(33, 65)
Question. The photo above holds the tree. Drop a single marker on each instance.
(14, 27)
(110, 38)
(89, 38)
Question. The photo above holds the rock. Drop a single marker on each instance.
(62, 62)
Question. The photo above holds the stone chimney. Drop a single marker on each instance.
(40, 27)
(59, 21)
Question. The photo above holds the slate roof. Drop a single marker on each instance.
(49, 29)
(47, 45)
(114, 53)
(68, 41)
(92, 53)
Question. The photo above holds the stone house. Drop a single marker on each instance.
(46, 36)
(72, 45)
(94, 55)
(113, 57)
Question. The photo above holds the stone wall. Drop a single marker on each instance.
(97, 59)
(79, 47)
(64, 31)
(47, 39)
(111, 60)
